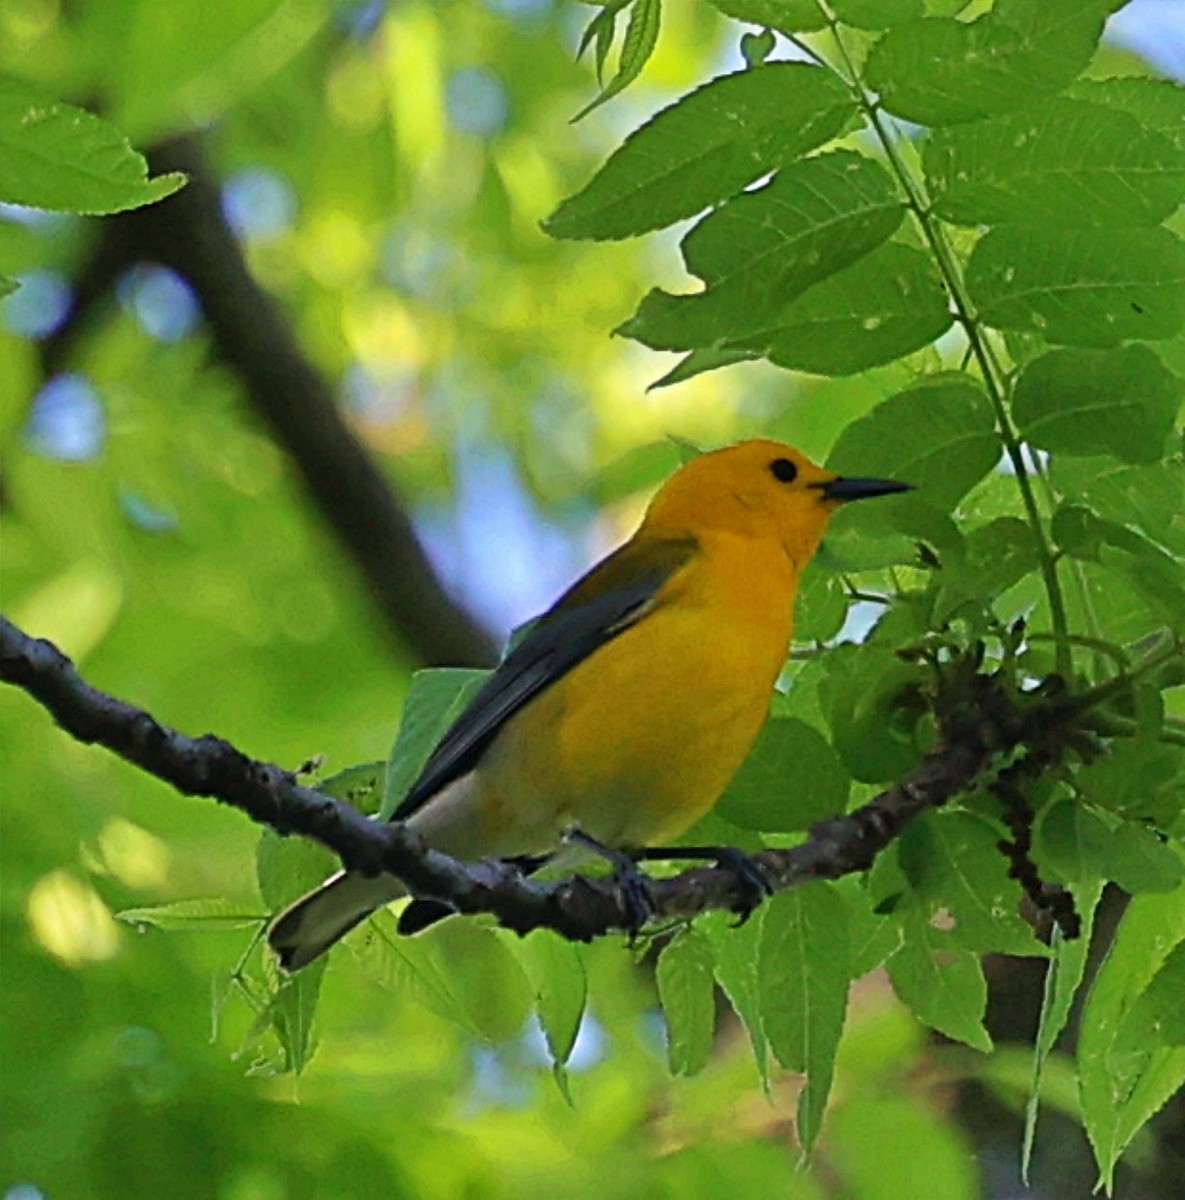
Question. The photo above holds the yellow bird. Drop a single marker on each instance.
(628, 706)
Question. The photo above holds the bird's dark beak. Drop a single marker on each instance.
(852, 488)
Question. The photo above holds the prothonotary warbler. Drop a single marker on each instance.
(628, 706)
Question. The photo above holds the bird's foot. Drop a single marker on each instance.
(636, 890)
(753, 885)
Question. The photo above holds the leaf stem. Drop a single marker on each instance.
(1119, 726)
(919, 205)
(1099, 645)
(1077, 571)
(1170, 647)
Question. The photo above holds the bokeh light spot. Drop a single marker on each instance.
(39, 219)
(133, 855)
(416, 261)
(161, 301)
(24, 1191)
(66, 420)
(145, 515)
(336, 249)
(476, 101)
(39, 305)
(70, 920)
(1154, 29)
(258, 203)
(589, 1048)
(523, 10)
(359, 18)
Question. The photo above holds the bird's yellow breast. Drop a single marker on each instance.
(638, 741)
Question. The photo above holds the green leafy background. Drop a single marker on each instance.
(976, 283)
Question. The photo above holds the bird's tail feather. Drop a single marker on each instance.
(306, 929)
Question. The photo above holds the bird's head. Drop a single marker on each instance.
(762, 489)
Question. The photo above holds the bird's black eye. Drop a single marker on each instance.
(784, 470)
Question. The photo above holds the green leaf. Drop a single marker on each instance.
(699, 361)
(643, 467)
(873, 936)
(938, 71)
(1158, 104)
(290, 1013)
(875, 939)
(205, 913)
(941, 983)
(872, 704)
(1065, 162)
(877, 14)
(1155, 573)
(434, 701)
(757, 47)
(820, 605)
(59, 157)
(1120, 402)
(925, 524)
(1150, 498)
(8, 286)
(707, 147)
(361, 786)
(1072, 840)
(1081, 847)
(554, 967)
(1157, 1018)
(461, 970)
(766, 246)
(1122, 1086)
(1080, 287)
(996, 556)
(1067, 966)
(872, 537)
(411, 967)
(1141, 861)
(1140, 778)
(287, 867)
(804, 972)
(599, 33)
(790, 779)
(735, 950)
(641, 36)
(939, 435)
(684, 976)
(787, 16)
(953, 864)
(890, 303)
(484, 975)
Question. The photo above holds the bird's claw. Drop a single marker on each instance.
(753, 885)
(637, 894)
(636, 891)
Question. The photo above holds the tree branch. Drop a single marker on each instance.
(577, 908)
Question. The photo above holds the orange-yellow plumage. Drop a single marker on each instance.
(629, 706)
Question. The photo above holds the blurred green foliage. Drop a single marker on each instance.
(390, 168)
